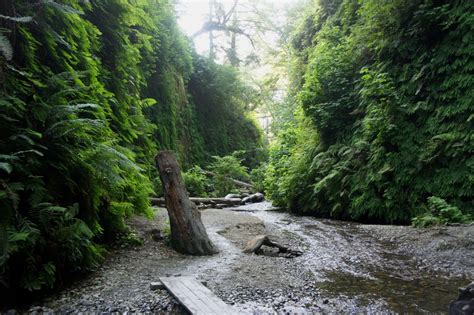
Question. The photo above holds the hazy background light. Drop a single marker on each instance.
(192, 14)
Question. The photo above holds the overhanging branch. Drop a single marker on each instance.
(213, 26)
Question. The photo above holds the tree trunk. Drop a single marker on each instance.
(211, 36)
(188, 234)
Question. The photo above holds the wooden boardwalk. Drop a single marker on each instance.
(195, 297)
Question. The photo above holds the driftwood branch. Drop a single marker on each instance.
(228, 15)
(255, 245)
(216, 26)
(235, 181)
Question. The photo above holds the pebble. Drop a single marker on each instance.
(113, 290)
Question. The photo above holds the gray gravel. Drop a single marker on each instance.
(346, 267)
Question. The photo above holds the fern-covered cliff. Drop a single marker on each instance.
(384, 121)
(90, 90)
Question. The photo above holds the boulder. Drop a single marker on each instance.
(465, 302)
(257, 197)
(156, 235)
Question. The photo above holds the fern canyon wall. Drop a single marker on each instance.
(382, 126)
(89, 92)
(368, 111)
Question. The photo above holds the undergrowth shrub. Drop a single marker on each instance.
(257, 176)
(197, 184)
(226, 168)
(440, 213)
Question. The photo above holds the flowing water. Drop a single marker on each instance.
(356, 268)
(345, 268)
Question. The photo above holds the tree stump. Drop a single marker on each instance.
(188, 234)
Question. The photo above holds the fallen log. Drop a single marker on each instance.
(235, 181)
(255, 245)
(160, 202)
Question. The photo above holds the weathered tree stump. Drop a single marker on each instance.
(188, 234)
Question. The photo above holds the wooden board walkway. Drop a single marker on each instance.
(195, 297)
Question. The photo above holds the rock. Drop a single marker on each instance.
(156, 235)
(232, 196)
(464, 304)
(257, 197)
(156, 285)
(11, 312)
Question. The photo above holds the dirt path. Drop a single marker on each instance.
(346, 267)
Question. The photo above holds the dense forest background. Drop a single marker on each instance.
(371, 104)
(381, 126)
(90, 91)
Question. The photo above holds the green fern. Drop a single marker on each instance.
(388, 88)
(6, 47)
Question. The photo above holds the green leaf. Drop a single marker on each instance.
(62, 7)
(6, 47)
(6, 167)
(19, 19)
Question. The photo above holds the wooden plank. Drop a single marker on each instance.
(209, 307)
(195, 297)
(194, 303)
(188, 298)
(157, 285)
(214, 303)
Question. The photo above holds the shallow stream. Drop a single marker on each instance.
(345, 268)
(358, 269)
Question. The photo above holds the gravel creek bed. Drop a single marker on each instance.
(345, 268)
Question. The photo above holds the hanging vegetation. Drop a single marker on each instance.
(90, 90)
(387, 98)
